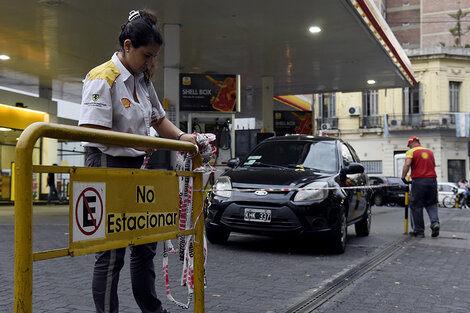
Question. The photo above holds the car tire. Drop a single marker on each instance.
(363, 227)
(217, 236)
(340, 233)
(378, 199)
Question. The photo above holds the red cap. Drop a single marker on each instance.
(412, 138)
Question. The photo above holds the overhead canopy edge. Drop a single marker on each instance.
(379, 27)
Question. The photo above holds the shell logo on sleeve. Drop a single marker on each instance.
(126, 102)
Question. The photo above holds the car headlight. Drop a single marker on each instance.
(318, 192)
(223, 187)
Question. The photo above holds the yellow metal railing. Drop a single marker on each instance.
(24, 169)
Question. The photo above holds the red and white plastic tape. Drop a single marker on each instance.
(186, 243)
(301, 189)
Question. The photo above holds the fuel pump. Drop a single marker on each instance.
(221, 125)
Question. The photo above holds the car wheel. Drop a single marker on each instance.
(378, 199)
(217, 236)
(338, 241)
(363, 226)
(448, 202)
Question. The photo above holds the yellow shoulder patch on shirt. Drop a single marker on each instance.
(409, 153)
(107, 71)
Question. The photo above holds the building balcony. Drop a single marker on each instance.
(372, 121)
(424, 120)
(327, 123)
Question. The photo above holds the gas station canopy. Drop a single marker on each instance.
(59, 41)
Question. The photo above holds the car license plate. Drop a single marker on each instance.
(258, 215)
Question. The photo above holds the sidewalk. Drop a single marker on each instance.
(428, 275)
(44, 208)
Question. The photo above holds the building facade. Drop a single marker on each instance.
(378, 123)
(423, 24)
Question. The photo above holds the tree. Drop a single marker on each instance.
(457, 31)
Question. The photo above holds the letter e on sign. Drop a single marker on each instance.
(89, 211)
(145, 194)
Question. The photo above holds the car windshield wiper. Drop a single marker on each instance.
(301, 167)
(261, 164)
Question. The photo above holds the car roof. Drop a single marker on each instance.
(301, 138)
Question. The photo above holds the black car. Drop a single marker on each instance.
(292, 185)
(392, 192)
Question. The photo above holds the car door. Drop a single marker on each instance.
(357, 199)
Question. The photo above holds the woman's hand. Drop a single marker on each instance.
(148, 150)
(189, 138)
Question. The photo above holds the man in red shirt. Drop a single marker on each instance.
(423, 187)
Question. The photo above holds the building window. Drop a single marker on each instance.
(370, 109)
(372, 167)
(327, 106)
(370, 102)
(455, 170)
(412, 99)
(454, 93)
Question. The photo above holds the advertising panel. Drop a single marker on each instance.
(208, 92)
(292, 122)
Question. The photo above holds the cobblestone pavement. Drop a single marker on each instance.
(263, 275)
(428, 275)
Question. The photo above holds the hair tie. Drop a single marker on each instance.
(133, 15)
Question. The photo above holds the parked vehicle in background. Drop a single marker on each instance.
(447, 192)
(291, 186)
(392, 192)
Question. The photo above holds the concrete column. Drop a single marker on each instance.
(171, 66)
(267, 103)
(314, 120)
(45, 87)
(171, 72)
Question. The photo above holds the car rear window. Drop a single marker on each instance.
(320, 156)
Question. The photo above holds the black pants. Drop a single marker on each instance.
(109, 263)
(423, 195)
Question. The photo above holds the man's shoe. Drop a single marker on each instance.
(435, 230)
(416, 235)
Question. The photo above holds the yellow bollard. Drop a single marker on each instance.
(407, 199)
(198, 241)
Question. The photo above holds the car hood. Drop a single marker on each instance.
(270, 176)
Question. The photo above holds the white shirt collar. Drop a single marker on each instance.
(123, 70)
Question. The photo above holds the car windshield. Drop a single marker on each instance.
(395, 180)
(319, 156)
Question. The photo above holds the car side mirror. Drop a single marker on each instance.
(354, 168)
(233, 162)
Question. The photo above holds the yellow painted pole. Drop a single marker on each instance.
(23, 289)
(199, 240)
(407, 199)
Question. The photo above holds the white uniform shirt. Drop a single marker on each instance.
(107, 100)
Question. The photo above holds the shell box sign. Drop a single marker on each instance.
(121, 204)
